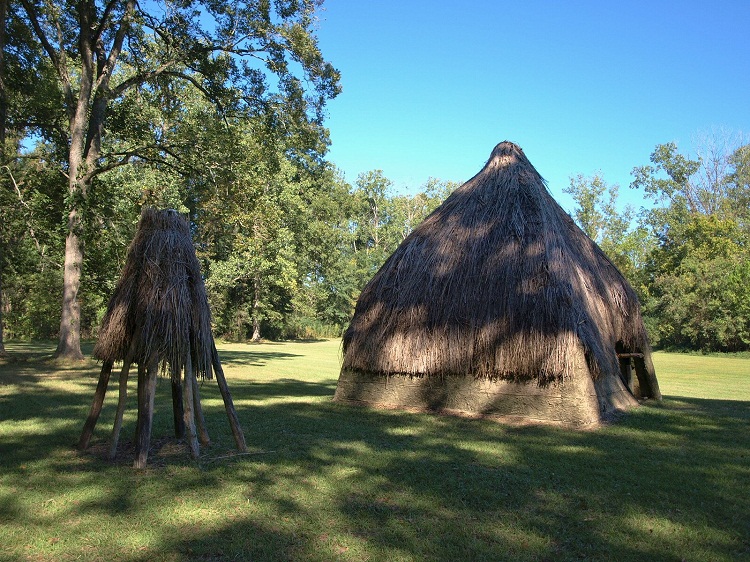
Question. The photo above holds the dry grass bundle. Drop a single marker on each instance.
(498, 283)
(159, 307)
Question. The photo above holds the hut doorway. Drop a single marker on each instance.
(625, 358)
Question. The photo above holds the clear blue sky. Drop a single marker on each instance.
(429, 87)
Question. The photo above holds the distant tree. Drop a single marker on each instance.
(373, 189)
(738, 187)
(597, 213)
(696, 275)
(410, 210)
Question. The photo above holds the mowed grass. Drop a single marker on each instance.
(323, 481)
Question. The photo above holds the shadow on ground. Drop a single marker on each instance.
(324, 481)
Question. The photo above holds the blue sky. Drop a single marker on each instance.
(429, 88)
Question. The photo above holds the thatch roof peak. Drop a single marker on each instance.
(506, 151)
(506, 154)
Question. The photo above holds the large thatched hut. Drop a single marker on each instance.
(159, 319)
(499, 305)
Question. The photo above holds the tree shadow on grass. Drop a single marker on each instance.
(419, 487)
(326, 481)
(254, 358)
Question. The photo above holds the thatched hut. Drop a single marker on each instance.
(159, 306)
(159, 318)
(499, 305)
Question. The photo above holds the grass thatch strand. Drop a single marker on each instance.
(497, 282)
(160, 304)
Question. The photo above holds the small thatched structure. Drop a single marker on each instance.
(499, 305)
(159, 318)
(159, 306)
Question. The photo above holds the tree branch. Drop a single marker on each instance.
(28, 208)
(114, 53)
(57, 61)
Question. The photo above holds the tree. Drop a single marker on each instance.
(372, 191)
(738, 188)
(694, 277)
(19, 59)
(598, 215)
(699, 287)
(408, 211)
(29, 243)
(104, 52)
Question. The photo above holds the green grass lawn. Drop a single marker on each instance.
(323, 481)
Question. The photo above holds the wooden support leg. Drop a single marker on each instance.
(140, 391)
(147, 380)
(122, 398)
(96, 405)
(234, 422)
(644, 370)
(189, 404)
(200, 420)
(626, 373)
(179, 421)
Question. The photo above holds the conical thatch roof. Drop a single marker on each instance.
(497, 283)
(159, 305)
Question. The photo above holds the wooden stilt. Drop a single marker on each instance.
(644, 370)
(200, 420)
(96, 405)
(189, 403)
(139, 390)
(179, 422)
(234, 422)
(147, 380)
(122, 398)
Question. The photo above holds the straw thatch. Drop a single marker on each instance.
(498, 284)
(159, 306)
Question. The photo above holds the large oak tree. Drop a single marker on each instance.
(259, 58)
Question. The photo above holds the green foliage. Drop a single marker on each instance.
(699, 286)
(597, 214)
(116, 83)
(596, 211)
(695, 278)
(290, 246)
(30, 244)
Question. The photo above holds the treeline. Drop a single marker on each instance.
(217, 110)
(688, 253)
(286, 250)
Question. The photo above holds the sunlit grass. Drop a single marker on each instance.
(699, 376)
(324, 481)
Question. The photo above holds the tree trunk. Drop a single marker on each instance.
(3, 122)
(69, 345)
(3, 353)
(256, 308)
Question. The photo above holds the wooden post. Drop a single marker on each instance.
(122, 398)
(644, 370)
(146, 392)
(179, 422)
(200, 420)
(189, 404)
(634, 384)
(234, 422)
(96, 405)
(626, 372)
